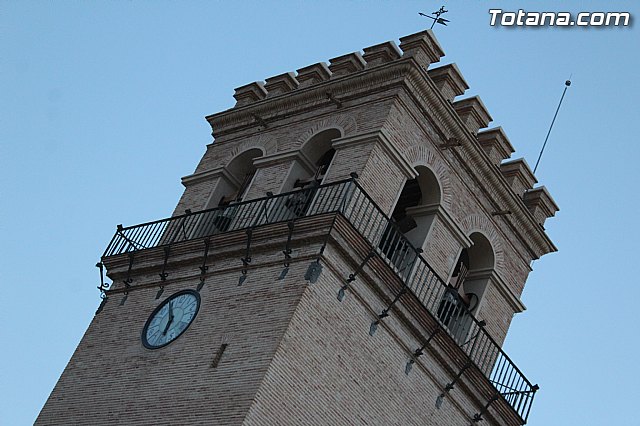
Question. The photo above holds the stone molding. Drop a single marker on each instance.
(380, 138)
(519, 175)
(313, 74)
(445, 218)
(381, 53)
(346, 124)
(283, 157)
(540, 203)
(449, 80)
(263, 142)
(473, 113)
(273, 109)
(209, 175)
(250, 93)
(503, 288)
(496, 144)
(346, 64)
(423, 47)
(280, 84)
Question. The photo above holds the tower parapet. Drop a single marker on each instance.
(449, 80)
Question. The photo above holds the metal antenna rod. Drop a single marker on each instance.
(566, 86)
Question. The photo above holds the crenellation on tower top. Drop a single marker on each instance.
(473, 113)
(423, 47)
(280, 84)
(495, 144)
(518, 175)
(250, 93)
(540, 203)
(381, 53)
(313, 74)
(346, 64)
(449, 80)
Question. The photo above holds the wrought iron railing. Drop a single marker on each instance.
(350, 200)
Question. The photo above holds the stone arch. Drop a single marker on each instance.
(480, 224)
(313, 160)
(481, 253)
(421, 155)
(265, 144)
(242, 162)
(235, 176)
(314, 147)
(345, 124)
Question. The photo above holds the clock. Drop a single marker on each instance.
(170, 319)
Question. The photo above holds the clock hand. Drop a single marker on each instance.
(166, 328)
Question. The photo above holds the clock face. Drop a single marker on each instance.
(170, 319)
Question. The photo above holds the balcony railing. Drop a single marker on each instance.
(354, 204)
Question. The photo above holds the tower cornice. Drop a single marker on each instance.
(521, 220)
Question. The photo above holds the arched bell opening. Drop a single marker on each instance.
(413, 216)
(481, 267)
(307, 172)
(314, 160)
(232, 187)
(235, 183)
(467, 285)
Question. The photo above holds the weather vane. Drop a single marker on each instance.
(436, 19)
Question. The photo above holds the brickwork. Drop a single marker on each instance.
(328, 370)
(295, 354)
(113, 379)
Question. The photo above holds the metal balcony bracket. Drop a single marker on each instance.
(477, 417)
(128, 280)
(246, 260)
(204, 268)
(287, 252)
(315, 268)
(385, 313)
(420, 351)
(103, 286)
(352, 277)
(160, 291)
(451, 385)
(163, 274)
(103, 302)
(313, 271)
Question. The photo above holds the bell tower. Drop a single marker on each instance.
(351, 249)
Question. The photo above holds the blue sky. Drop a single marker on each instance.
(102, 111)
